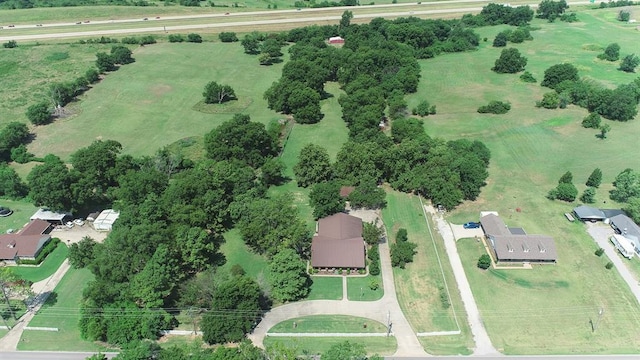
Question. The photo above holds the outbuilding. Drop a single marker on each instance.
(104, 221)
(588, 213)
(52, 217)
(624, 245)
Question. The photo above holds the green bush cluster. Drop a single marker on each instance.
(402, 251)
(484, 261)
(495, 107)
(374, 260)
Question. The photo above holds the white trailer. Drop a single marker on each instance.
(623, 245)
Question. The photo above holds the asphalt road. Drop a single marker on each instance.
(48, 355)
(296, 17)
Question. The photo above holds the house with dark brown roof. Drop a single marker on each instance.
(338, 243)
(25, 244)
(515, 245)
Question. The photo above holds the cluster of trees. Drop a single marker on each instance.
(424, 109)
(402, 250)
(515, 36)
(611, 52)
(618, 3)
(614, 104)
(627, 190)
(178, 38)
(495, 107)
(325, 3)
(593, 182)
(372, 234)
(498, 14)
(565, 190)
(268, 46)
(120, 55)
(147, 350)
(551, 10)
(141, 40)
(28, 4)
(12, 139)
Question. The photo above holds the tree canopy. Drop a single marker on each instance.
(215, 93)
(510, 62)
(288, 277)
(313, 166)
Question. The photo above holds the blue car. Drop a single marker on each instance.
(471, 225)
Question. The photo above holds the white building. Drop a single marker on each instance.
(105, 220)
(623, 245)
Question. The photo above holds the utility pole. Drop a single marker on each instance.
(6, 298)
(600, 312)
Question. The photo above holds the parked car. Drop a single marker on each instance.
(78, 222)
(69, 224)
(38, 24)
(471, 225)
(86, 21)
(4, 212)
(79, 22)
(157, 17)
(145, 19)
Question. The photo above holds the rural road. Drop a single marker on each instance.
(480, 335)
(42, 289)
(601, 232)
(297, 17)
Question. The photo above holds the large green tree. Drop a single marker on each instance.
(11, 185)
(368, 195)
(153, 285)
(325, 199)
(314, 165)
(81, 253)
(242, 139)
(288, 276)
(629, 63)
(595, 178)
(626, 186)
(559, 73)
(11, 136)
(551, 10)
(50, 184)
(121, 55)
(215, 93)
(234, 312)
(39, 114)
(510, 62)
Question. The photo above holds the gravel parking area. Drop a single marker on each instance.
(459, 232)
(76, 233)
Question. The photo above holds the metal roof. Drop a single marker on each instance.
(338, 243)
(590, 213)
(493, 225)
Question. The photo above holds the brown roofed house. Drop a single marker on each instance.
(338, 243)
(27, 243)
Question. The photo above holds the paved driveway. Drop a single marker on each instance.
(600, 233)
(459, 232)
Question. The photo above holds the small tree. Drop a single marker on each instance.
(629, 63)
(604, 130)
(550, 100)
(558, 73)
(10, 44)
(194, 38)
(588, 196)
(510, 62)
(611, 53)
(39, 114)
(401, 235)
(371, 233)
(565, 192)
(500, 40)
(595, 178)
(176, 38)
(121, 55)
(592, 121)
(218, 93)
(609, 265)
(228, 37)
(566, 178)
(402, 253)
(527, 77)
(599, 252)
(424, 109)
(484, 261)
(92, 75)
(105, 62)
(624, 15)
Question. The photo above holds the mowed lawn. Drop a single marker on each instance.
(418, 285)
(22, 212)
(149, 104)
(547, 309)
(49, 266)
(329, 324)
(62, 313)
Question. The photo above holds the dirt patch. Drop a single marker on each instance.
(160, 89)
(77, 233)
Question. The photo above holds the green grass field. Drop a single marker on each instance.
(63, 313)
(418, 286)
(155, 96)
(329, 324)
(46, 268)
(547, 309)
(359, 288)
(326, 288)
(22, 212)
(317, 345)
(236, 252)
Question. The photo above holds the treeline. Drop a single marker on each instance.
(376, 68)
(28, 4)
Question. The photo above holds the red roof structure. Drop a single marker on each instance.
(338, 243)
(26, 243)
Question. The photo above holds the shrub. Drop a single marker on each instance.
(564, 191)
(609, 265)
(484, 261)
(588, 196)
(39, 114)
(176, 38)
(599, 252)
(402, 253)
(130, 40)
(444, 297)
(611, 53)
(624, 15)
(228, 37)
(629, 63)
(374, 268)
(550, 100)
(592, 121)
(21, 155)
(10, 44)
(527, 77)
(501, 39)
(569, 17)
(401, 235)
(374, 285)
(495, 107)
(194, 38)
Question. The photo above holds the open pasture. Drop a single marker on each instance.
(547, 309)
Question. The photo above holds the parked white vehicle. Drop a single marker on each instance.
(623, 245)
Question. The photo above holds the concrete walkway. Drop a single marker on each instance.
(480, 336)
(385, 310)
(600, 233)
(42, 289)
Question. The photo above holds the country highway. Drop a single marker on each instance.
(53, 355)
(301, 17)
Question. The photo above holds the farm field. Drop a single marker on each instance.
(419, 285)
(545, 310)
(62, 310)
(156, 95)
